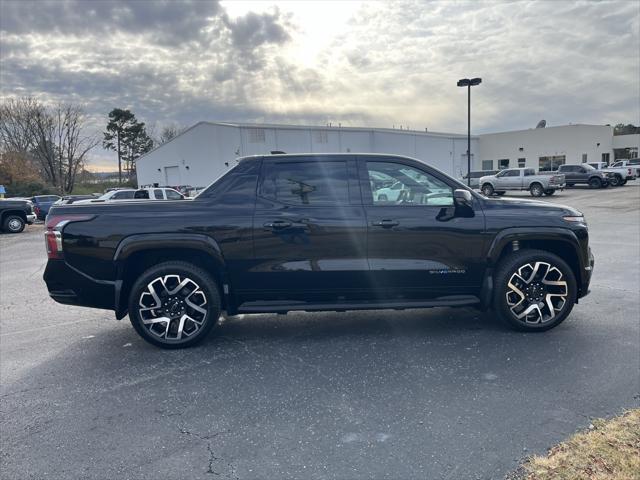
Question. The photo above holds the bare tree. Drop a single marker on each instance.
(169, 132)
(53, 138)
(16, 124)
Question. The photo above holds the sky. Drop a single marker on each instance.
(376, 64)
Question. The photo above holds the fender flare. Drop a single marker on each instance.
(508, 235)
(146, 241)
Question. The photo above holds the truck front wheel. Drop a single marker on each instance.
(536, 190)
(615, 181)
(174, 304)
(13, 224)
(534, 290)
(487, 190)
(595, 182)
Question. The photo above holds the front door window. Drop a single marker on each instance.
(398, 184)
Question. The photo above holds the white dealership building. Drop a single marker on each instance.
(206, 150)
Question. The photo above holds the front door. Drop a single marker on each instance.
(417, 246)
(309, 231)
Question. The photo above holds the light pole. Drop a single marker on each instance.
(466, 82)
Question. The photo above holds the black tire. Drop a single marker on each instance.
(549, 192)
(173, 304)
(523, 262)
(595, 182)
(500, 193)
(487, 189)
(536, 190)
(615, 181)
(624, 182)
(13, 224)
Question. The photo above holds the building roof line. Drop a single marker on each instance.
(311, 127)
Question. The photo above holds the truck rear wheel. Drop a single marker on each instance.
(534, 290)
(174, 304)
(536, 190)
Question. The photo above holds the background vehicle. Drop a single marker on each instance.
(42, 204)
(522, 179)
(476, 176)
(582, 175)
(15, 214)
(617, 176)
(160, 193)
(69, 199)
(308, 232)
(633, 163)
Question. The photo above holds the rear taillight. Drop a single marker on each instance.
(53, 234)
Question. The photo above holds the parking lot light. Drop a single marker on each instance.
(466, 82)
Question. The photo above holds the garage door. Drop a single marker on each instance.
(172, 176)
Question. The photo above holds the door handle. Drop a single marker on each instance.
(277, 224)
(385, 223)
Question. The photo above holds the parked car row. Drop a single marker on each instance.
(160, 193)
(595, 175)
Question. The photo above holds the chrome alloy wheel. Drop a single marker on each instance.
(173, 307)
(536, 293)
(14, 224)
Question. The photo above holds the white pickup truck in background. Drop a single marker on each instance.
(521, 179)
(617, 176)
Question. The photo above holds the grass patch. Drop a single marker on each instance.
(609, 449)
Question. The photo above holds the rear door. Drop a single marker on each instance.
(309, 231)
(572, 173)
(417, 247)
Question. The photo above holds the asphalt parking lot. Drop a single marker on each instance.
(437, 394)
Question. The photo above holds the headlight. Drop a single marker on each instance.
(575, 219)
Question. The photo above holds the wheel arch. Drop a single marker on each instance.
(18, 213)
(137, 253)
(559, 241)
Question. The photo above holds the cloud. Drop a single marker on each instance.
(392, 63)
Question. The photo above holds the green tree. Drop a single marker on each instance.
(128, 138)
(622, 129)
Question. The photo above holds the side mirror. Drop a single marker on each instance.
(462, 197)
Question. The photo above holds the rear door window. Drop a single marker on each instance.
(173, 195)
(123, 195)
(306, 182)
(157, 194)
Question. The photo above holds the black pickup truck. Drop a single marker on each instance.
(282, 233)
(15, 214)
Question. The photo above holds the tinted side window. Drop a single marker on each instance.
(306, 182)
(173, 195)
(141, 194)
(529, 172)
(123, 195)
(398, 184)
(157, 194)
(512, 173)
